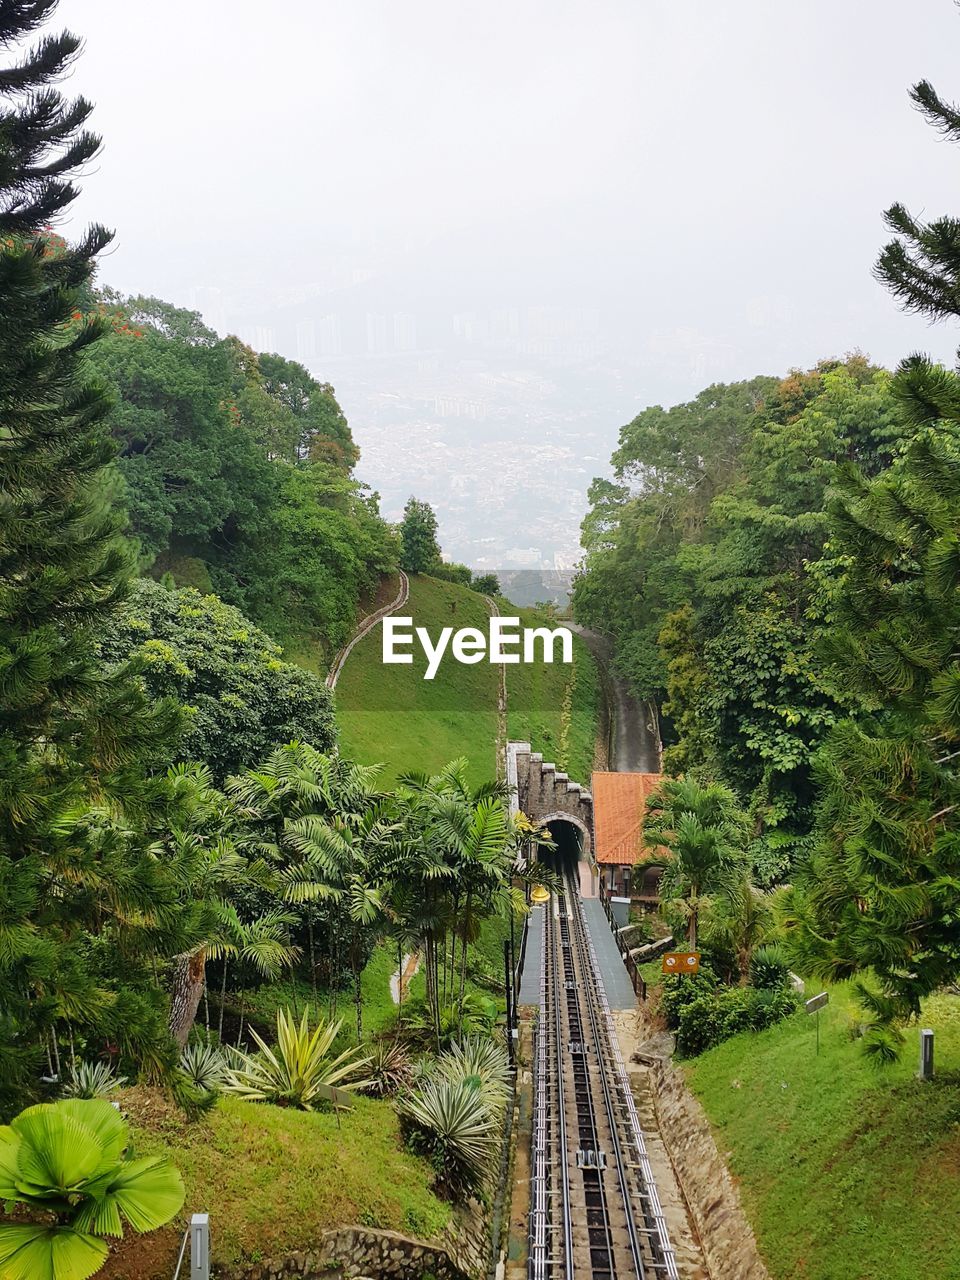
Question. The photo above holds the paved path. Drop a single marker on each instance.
(634, 739)
(366, 626)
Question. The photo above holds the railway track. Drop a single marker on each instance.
(594, 1206)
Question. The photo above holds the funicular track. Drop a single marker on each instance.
(594, 1206)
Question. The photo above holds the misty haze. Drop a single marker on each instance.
(501, 230)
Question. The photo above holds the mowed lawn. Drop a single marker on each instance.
(390, 715)
(555, 707)
(847, 1171)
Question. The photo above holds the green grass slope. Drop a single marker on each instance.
(847, 1171)
(274, 1179)
(556, 707)
(391, 715)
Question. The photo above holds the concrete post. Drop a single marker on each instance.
(926, 1055)
(200, 1247)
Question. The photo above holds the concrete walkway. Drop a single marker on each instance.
(616, 980)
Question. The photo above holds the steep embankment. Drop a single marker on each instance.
(390, 714)
(846, 1171)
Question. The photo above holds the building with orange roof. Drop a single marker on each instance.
(619, 809)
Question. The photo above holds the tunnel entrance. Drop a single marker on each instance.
(569, 841)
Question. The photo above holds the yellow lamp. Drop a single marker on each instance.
(539, 894)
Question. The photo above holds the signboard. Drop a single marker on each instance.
(680, 962)
(817, 1002)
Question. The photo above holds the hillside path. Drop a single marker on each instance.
(365, 627)
(634, 737)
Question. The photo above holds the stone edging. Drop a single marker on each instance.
(726, 1237)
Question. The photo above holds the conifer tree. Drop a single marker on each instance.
(922, 266)
(71, 737)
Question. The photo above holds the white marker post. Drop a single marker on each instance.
(926, 1055)
(814, 1006)
(200, 1247)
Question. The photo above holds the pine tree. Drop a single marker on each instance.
(71, 737)
(922, 266)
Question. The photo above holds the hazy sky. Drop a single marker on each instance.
(708, 176)
(719, 167)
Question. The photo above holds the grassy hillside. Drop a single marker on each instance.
(274, 1179)
(847, 1171)
(390, 714)
(556, 708)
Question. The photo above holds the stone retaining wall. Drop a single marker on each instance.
(359, 1252)
(726, 1237)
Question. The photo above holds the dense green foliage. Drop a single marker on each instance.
(86, 906)
(697, 562)
(418, 538)
(237, 472)
(241, 698)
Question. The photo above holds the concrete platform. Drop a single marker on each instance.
(616, 980)
(530, 977)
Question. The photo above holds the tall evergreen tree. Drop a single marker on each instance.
(921, 267)
(70, 736)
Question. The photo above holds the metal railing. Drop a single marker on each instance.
(633, 970)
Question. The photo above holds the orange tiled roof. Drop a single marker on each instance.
(619, 805)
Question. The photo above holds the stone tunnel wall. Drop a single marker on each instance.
(545, 794)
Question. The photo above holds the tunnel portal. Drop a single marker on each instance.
(569, 841)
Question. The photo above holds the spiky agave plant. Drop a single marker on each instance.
(298, 1069)
(92, 1080)
(388, 1069)
(452, 1124)
(479, 1061)
(66, 1165)
(204, 1066)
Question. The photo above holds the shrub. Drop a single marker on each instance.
(388, 1069)
(452, 1124)
(92, 1080)
(479, 1061)
(299, 1070)
(769, 967)
(713, 1016)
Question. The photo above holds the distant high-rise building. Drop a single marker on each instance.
(306, 341)
(377, 340)
(209, 302)
(329, 336)
(404, 332)
(258, 336)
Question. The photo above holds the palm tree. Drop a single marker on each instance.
(698, 835)
(294, 783)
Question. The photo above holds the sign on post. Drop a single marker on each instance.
(680, 962)
(926, 1054)
(814, 1005)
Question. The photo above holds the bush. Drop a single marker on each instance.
(451, 1123)
(768, 966)
(92, 1080)
(712, 1016)
(243, 699)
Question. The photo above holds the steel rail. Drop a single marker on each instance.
(602, 1049)
(566, 1206)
